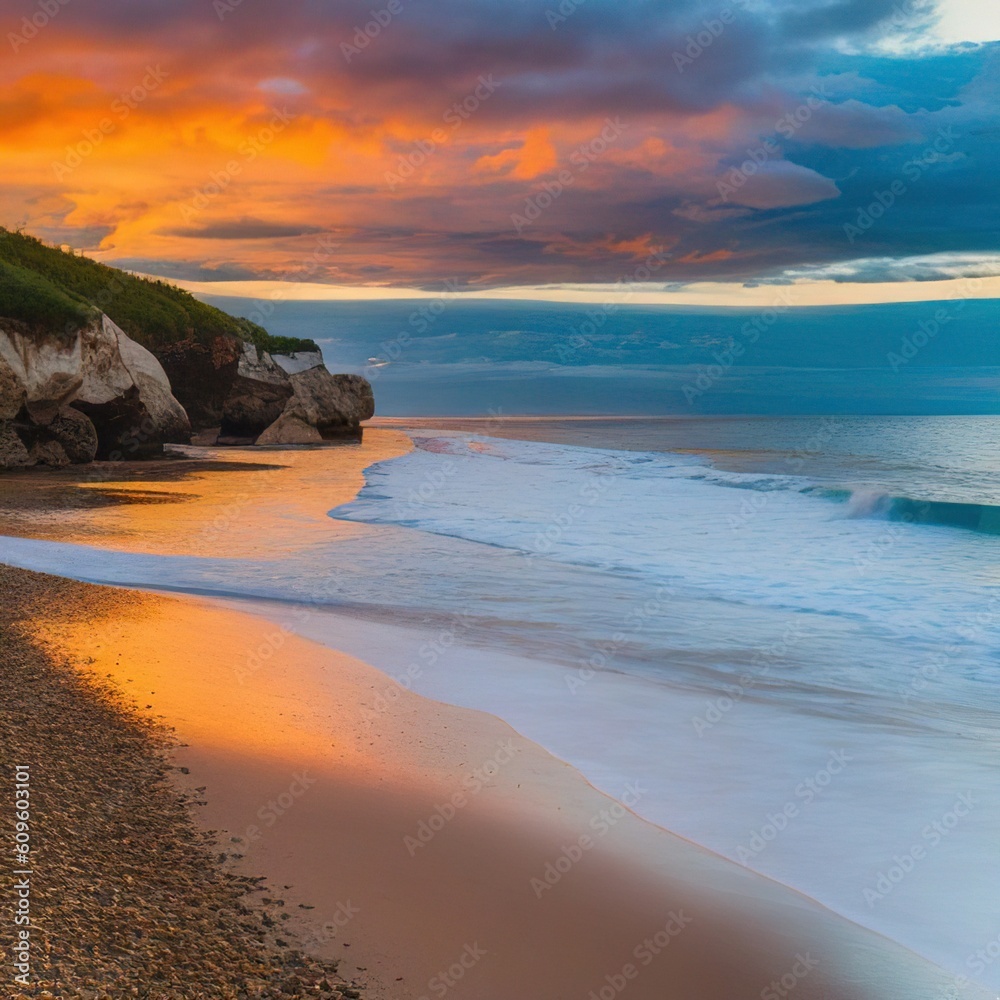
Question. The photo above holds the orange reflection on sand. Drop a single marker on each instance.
(257, 511)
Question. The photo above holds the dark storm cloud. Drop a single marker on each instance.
(244, 229)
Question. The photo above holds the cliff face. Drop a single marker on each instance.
(96, 393)
(73, 397)
(95, 362)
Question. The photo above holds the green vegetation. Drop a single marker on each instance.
(50, 289)
(38, 303)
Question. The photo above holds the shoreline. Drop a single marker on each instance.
(422, 833)
(585, 928)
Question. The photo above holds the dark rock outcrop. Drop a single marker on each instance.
(257, 397)
(323, 407)
(334, 404)
(77, 435)
(202, 376)
(13, 454)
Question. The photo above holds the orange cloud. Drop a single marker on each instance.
(533, 158)
(714, 256)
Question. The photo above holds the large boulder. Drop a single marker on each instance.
(13, 454)
(290, 430)
(301, 361)
(76, 433)
(257, 397)
(334, 404)
(42, 373)
(78, 395)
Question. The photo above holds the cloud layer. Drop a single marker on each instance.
(496, 141)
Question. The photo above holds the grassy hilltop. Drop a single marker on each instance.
(52, 292)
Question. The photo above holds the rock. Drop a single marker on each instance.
(12, 391)
(334, 404)
(290, 430)
(49, 453)
(155, 391)
(257, 398)
(302, 361)
(75, 432)
(202, 376)
(119, 393)
(13, 454)
(47, 369)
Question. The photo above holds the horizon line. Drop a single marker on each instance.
(803, 293)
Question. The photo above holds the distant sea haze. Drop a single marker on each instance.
(548, 359)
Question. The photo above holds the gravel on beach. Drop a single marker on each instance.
(128, 897)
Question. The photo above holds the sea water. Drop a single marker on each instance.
(785, 631)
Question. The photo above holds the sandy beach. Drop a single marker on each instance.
(431, 849)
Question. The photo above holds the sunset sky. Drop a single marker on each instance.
(506, 142)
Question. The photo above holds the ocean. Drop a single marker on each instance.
(785, 631)
(446, 355)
